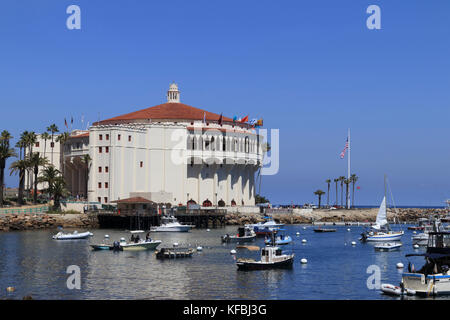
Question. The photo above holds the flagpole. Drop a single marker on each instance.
(348, 168)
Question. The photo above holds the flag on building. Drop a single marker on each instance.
(345, 149)
(259, 123)
(234, 119)
(71, 121)
(220, 119)
(253, 122)
(245, 119)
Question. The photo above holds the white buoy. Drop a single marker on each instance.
(353, 243)
(304, 261)
(416, 246)
(304, 241)
(199, 248)
(399, 265)
(106, 236)
(298, 233)
(348, 229)
(175, 244)
(414, 232)
(207, 230)
(304, 228)
(233, 251)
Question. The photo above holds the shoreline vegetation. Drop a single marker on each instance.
(20, 222)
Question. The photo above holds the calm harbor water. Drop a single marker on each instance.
(36, 265)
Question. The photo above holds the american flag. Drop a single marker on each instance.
(345, 149)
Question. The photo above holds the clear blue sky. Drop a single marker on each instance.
(310, 68)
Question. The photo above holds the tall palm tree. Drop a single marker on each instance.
(30, 139)
(319, 193)
(354, 178)
(35, 161)
(48, 176)
(19, 166)
(328, 181)
(62, 139)
(336, 182)
(341, 179)
(58, 191)
(45, 136)
(5, 153)
(86, 160)
(52, 129)
(347, 182)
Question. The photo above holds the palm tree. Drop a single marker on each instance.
(45, 136)
(336, 182)
(48, 176)
(328, 181)
(62, 139)
(86, 160)
(347, 182)
(341, 179)
(52, 129)
(29, 139)
(354, 178)
(58, 191)
(319, 193)
(19, 166)
(35, 161)
(5, 153)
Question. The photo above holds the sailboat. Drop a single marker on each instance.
(381, 230)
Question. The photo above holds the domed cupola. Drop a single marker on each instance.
(173, 95)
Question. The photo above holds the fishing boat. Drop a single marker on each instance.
(381, 231)
(434, 276)
(421, 239)
(420, 226)
(174, 253)
(388, 246)
(271, 257)
(171, 224)
(280, 240)
(245, 234)
(135, 244)
(72, 236)
(105, 245)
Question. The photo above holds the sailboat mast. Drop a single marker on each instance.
(348, 169)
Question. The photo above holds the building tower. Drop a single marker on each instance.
(173, 95)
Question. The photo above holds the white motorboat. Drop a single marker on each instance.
(135, 244)
(245, 234)
(421, 239)
(388, 246)
(171, 224)
(265, 228)
(381, 231)
(72, 236)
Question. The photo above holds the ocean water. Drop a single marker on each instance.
(36, 265)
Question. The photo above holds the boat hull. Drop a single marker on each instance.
(234, 239)
(430, 285)
(140, 246)
(324, 230)
(385, 237)
(172, 229)
(246, 265)
(78, 236)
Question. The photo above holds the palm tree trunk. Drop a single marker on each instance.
(336, 193)
(346, 195)
(353, 195)
(320, 200)
(36, 172)
(328, 196)
(2, 181)
(342, 194)
(21, 186)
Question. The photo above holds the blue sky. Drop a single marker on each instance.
(310, 68)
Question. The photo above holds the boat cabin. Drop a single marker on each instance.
(270, 254)
(438, 242)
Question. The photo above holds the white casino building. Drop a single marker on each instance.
(169, 153)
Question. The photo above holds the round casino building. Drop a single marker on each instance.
(170, 153)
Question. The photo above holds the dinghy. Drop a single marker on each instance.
(72, 236)
(388, 246)
(392, 290)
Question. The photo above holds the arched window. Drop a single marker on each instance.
(213, 147)
(224, 143)
(247, 145)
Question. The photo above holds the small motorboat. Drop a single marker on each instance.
(392, 290)
(319, 229)
(245, 234)
(174, 253)
(72, 236)
(388, 246)
(271, 257)
(171, 224)
(135, 244)
(265, 228)
(280, 240)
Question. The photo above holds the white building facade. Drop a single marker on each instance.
(171, 153)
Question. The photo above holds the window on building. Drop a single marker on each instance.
(99, 169)
(37, 144)
(99, 199)
(100, 137)
(106, 199)
(107, 137)
(142, 164)
(224, 144)
(118, 137)
(99, 185)
(52, 144)
(106, 185)
(129, 138)
(100, 149)
(106, 149)
(106, 169)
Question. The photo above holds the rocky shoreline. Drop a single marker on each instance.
(12, 222)
(16, 222)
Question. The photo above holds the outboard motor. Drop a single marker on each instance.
(116, 246)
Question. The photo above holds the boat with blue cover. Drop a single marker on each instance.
(280, 240)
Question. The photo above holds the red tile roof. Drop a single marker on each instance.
(83, 135)
(133, 200)
(167, 111)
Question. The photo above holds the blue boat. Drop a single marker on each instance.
(280, 240)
